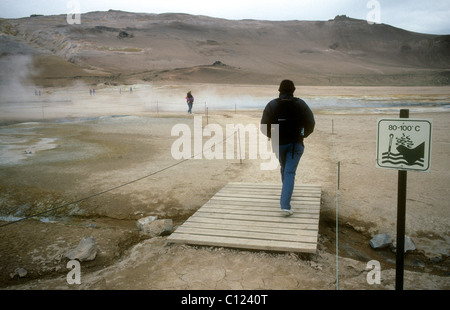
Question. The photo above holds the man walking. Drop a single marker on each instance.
(295, 121)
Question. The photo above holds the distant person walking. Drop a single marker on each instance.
(295, 122)
(190, 101)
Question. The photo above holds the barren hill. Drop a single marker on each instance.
(121, 47)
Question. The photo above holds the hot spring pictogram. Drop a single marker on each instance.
(407, 153)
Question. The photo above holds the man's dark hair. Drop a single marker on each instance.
(287, 87)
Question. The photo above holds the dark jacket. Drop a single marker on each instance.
(294, 117)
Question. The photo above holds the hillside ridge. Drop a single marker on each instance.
(128, 47)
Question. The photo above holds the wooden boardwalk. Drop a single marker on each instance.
(248, 216)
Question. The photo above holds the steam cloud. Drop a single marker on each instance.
(16, 78)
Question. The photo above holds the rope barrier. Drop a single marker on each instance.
(113, 188)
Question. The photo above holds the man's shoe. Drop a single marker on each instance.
(287, 212)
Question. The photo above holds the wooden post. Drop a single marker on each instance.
(339, 174)
(239, 144)
(401, 212)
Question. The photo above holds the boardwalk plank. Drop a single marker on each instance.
(248, 216)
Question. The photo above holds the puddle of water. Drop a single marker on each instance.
(17, 146)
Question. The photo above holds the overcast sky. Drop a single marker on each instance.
(426, 16)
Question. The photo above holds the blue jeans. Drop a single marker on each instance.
(289, 163)
(190, 107)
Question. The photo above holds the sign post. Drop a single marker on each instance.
(411, 150)
(401, 218)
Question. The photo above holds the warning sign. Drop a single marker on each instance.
(404, 144)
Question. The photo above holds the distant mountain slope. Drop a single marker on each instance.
(120, 47)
